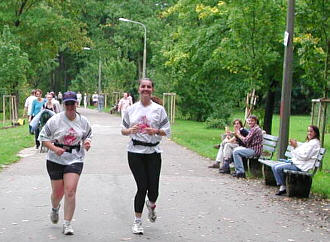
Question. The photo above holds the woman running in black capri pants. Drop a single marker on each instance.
(145, 122)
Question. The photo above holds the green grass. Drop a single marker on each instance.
(106, 110)
(13, 140)
(196, 137)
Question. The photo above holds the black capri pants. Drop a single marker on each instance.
(146, 172)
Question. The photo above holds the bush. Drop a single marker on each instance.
(220, 117)
(216, 123)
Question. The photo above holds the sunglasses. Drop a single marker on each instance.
(68, 103)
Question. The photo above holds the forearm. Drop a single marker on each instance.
(49, 145)
(161, 132)
(151, 131)
(126, 131)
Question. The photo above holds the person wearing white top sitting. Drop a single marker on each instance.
(303, 157)
(145, 122)
(67, 135)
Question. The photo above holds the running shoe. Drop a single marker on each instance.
(137, 227)
(67, 229)
(151, 212)
(54, 214)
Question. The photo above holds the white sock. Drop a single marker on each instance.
(138, 220)
(56, 209)
(67, 222)
(282, 188)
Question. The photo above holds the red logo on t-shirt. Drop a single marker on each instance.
(70, 137)
(143, 123)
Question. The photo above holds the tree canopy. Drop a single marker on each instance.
(210, 52)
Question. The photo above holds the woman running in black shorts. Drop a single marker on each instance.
(145, 122)
(66, 135)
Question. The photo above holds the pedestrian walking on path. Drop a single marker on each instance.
(145, 122)
(66, 135)
(123, 104)
(37, 105)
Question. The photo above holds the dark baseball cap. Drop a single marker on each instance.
(69, 96)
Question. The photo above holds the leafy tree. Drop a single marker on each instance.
(14, 63)
(313, 44)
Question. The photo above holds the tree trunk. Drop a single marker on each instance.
(269, 109)
(326, 65)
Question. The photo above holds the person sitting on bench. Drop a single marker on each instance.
(303, 157)
(252, 143)
(227, 145)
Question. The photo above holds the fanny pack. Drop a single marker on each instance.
(137, 142)
(68, 148)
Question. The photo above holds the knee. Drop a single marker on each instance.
(278, 169)
(236, 152)
(70, 193)
(58, 194)
(142, 190)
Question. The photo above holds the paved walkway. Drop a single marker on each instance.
(195, 203)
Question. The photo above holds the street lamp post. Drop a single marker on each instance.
(100, 71)
(144, 69)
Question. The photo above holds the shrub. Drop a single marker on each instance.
(220, 117)
(216, 123)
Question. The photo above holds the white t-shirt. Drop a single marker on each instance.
(124, 104)
(57, 104)
(153, 116)
(79, 96)
(28, 104)
(130, 100)
(66, 132)
(95, 97)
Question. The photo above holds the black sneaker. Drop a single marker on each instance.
(224, 171)
(280, 193)
(239, 175)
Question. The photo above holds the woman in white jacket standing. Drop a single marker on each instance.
(303, 157)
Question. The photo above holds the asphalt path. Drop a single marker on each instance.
(195, 203)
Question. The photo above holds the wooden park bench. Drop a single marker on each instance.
(298, 183)
(269, 147)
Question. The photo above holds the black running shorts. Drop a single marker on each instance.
(56, 171)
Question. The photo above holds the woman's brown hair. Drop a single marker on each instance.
(147, 79)
(316, 131)
(238, 120)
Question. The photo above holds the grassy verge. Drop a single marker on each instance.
(106, 110)
(196, 137)
(12, 140)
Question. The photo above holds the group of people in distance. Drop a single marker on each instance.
(68, 134)
(36, 103)
(243, 143)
